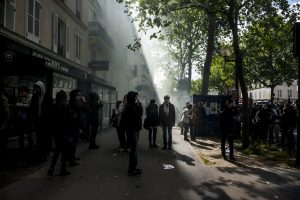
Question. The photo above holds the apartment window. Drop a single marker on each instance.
(289, 93)
(60, 38)
(77, 48)
(7, 13)
(33, 19)
(279, 93)
(78, 9)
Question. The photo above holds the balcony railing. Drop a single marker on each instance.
(96, 29)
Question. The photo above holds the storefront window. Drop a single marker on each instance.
(61, 82)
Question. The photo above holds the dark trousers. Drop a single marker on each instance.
(62, 148)
(230, 141)
(186, 129)
(167, 135)
(94, 130)
(121, 137)
(154, 130)
(24, 129)
(193, 131)
(133, 138)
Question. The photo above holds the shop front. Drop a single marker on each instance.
(23, 63)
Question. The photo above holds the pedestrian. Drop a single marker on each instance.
(115, 122)
(40, 107)
(288, 123)
(23, 117)
(4, 119)
(132, 121)
(167, 121)
(193, 119)
(201, 115)
(185, 120)
(74, 108)
(226, 126)
(95, 105)
(153, 121)
(60, 128)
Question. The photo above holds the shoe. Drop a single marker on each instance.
(50, 172)
(64, 173)
(155, 146)
(135, 173)
(169, 148)
(94, 146)
(150, 146)
(224, 157)
(164, 148)
(186, 139)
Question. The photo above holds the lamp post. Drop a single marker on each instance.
(226, 53)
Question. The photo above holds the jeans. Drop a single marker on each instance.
(167, 139)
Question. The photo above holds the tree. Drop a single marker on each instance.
(222, 76)
(268, 52)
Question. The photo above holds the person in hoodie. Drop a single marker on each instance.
(132, 122)
(40, 107)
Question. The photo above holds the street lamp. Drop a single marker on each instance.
(226, 53)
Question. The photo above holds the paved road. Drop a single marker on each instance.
(102, 174)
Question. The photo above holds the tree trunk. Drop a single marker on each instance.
(210, 48)
(232, 18)
(190, 64)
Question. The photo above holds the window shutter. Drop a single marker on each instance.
(68, 41)
(55, 32)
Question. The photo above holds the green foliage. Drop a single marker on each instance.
(196, 86)
(222, 76)
(268, 52)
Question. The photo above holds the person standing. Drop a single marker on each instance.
(153, 120)
(185, 121)
(132, 122)
(115, 122)
(167, 121)
(95, 105)
(226, 125)
(73, 109)
(23, 121)
(60, 128)
(40, 107)
(201, 119)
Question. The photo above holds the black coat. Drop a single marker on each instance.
(132, 117)
(152, 115)
(226, 121)
(167, 119)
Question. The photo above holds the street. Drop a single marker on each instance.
(102, 174)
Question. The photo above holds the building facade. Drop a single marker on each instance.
(70, 44)
(282, 93)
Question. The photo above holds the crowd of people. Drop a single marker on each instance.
(43, 121)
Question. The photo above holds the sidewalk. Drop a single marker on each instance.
(102, 174)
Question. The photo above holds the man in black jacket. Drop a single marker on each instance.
(167, 121)
(132, 122)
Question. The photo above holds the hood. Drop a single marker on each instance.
(41, 85)
(131, 97)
